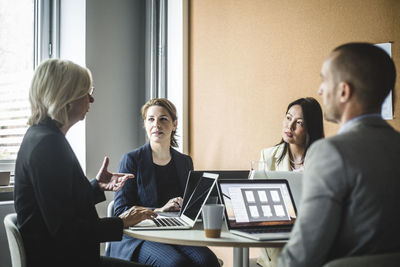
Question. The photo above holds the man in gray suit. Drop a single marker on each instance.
(351, 186)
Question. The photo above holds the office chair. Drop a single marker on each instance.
(15, 242)
(377, 260)
(110, 213)
(110, 209)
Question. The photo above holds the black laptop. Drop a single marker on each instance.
(194, 178)
(190, 213)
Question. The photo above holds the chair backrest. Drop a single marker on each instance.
(15, 242)
(110, 213)
(110, 209)
(377, 260)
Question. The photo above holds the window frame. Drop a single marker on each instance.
(178, 68)
(46, 45)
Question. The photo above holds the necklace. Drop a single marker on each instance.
(294, 163)
(297, 162)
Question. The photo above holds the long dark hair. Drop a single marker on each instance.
(312, 114)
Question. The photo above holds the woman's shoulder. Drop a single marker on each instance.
(139, 150)
(137, 153)
(271, 155)
(272, 151)
(42, 138)
(179, 154)
(137, 157)
(180, 158)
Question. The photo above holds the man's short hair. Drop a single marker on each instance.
(368, 69)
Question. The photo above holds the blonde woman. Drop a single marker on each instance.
(54, 200)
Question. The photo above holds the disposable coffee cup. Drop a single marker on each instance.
(212, 200)
(212, 219)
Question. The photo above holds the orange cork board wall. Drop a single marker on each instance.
(249, 59)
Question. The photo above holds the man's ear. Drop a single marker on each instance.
(345, 92)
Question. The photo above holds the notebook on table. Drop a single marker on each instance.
(258, 209)
(189, 214)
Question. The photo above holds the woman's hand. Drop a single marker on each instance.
(174, 204)
(111, 181)
(135, 215)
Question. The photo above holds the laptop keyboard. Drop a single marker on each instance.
(162, 222)
(265, 230)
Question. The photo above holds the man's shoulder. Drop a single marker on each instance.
(367, 128)
(325, 142)
(351, 145)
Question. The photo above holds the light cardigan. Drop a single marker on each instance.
(270, 156)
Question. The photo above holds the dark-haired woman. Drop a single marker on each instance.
(301, 126)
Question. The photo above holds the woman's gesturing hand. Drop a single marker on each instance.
(111, 181)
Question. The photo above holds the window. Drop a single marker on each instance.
(23, 43)
(177, 74)
(16, 68)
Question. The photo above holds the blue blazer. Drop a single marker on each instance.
(142, 190)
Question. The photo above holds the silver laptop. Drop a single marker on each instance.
(258, 209)
(190, 213)
(295, 180)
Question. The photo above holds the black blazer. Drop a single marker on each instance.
(55, 202)
(142, 190)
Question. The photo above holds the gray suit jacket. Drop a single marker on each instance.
(351, 196)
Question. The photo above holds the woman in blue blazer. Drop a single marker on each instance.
(160, 178)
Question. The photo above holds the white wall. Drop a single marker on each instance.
(72, 47)
(115, 55)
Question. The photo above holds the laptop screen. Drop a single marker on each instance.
(194, 178)
(199, 195)
(257, 203)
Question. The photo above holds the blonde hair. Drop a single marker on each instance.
(169, 107)
(55, 84)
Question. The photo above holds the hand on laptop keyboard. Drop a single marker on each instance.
(174, 204)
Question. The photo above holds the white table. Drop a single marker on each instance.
(196, 237)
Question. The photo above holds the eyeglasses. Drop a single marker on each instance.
(91, 91)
